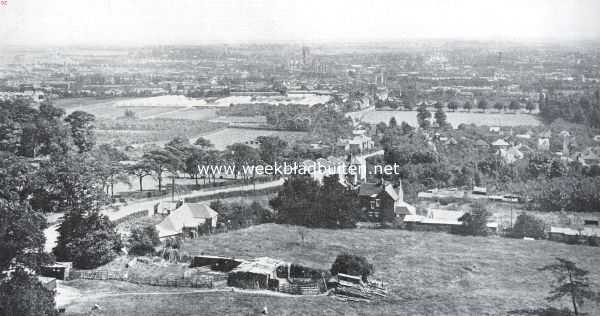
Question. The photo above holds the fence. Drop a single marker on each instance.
(312, 288)
(202, 281)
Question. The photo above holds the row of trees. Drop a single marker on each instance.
(47, 163)
(454, 105)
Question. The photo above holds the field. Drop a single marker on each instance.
(427, 274)
(228, 136)
(455, 118)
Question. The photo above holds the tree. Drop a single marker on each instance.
(453, 105)
(140, 169)
(498, 106)
(440, 118)
(571, 281)
(297, 202)
(203, 143)
(87, 238)
(241, 155)
(514, 105)
(109, 168)
(82, 129)
(353, 265)
(468, 106)
(161, 161)
(528, 226)
(393, 123)
(21, 294)
(529, 106)
(482, 104)
(338, 205)
(271, 148)
(142, 240)
(423, 116)
(21, 235)
(474, 223)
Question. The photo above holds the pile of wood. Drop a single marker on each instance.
(351, 290)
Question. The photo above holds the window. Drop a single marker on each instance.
(377, 202)
(372, 205)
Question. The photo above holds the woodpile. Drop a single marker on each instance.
(360, 291)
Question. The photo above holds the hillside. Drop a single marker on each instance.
(426, 272)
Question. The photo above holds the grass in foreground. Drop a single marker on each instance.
(427, 273)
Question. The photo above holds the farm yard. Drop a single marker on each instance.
(426, 274)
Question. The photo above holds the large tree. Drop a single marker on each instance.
(82, 129)
(271, 148)
(87, 238)
(571, 282)
(21, 294)
(423, 116)
(161, 161)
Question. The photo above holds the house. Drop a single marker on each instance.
(58, 270)
(500, 144)
(435, 220)
(543, 144)
(382, 202)
(188, 221)
(358, 144)
(510, 155)
(571, 235)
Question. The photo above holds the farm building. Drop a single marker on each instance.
(188, 221)
(439, 220)
(570, 235)
(260, 273)
(59, 270)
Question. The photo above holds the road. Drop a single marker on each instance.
(148, 204)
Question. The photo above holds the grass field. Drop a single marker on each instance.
(456, 118)
(427, 274)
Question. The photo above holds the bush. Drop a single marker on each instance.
(528, 226)
(87, 240)
(22, 294)
(474, 223)
(353, 265)
(143, 240)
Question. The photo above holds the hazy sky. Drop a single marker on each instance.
(59, 22)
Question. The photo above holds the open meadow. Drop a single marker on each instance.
(427, 273)
(455, 118)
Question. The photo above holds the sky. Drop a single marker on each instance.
(152, 22)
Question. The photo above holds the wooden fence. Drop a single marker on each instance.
(197, 281)
(311, 288)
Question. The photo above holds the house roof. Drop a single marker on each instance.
(190, 214)
(371, 189)
(263, 265)
(500, 142)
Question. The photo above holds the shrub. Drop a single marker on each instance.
(474, 223)
(143, 240)
(528, 226)
(88, 240)
(353, 265)
(22, 294)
